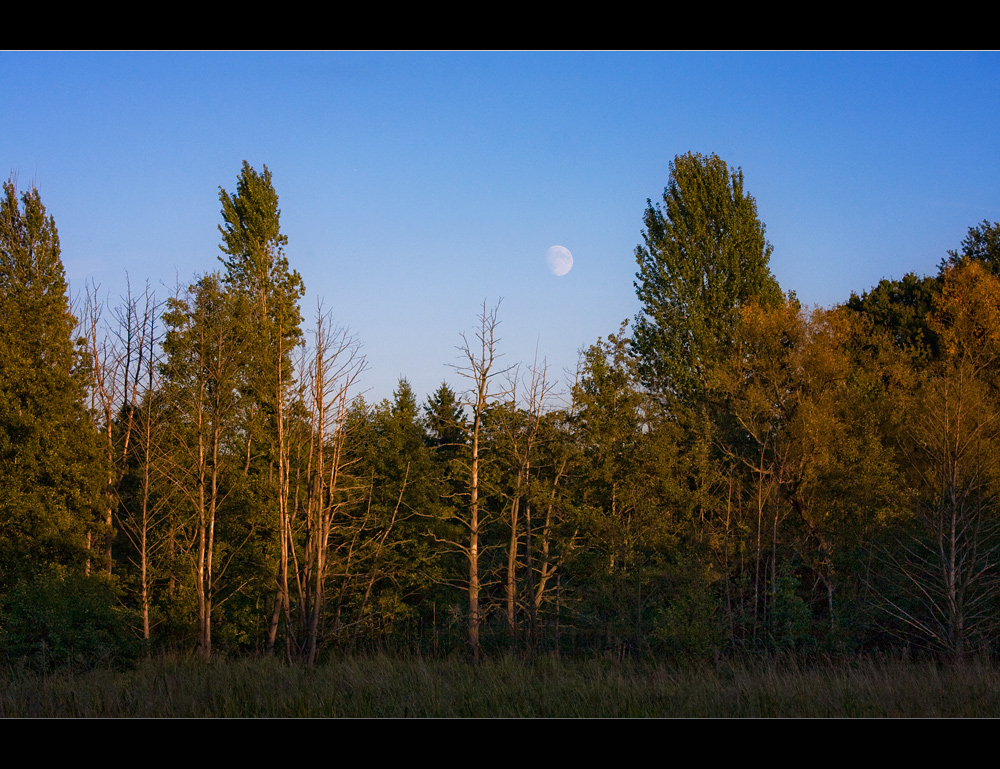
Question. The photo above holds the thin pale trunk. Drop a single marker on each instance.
(326, 511)
(474, 543)
(272, 628)
(110, 492)
(547, 567)
(757, 572)
(529, 573)
(145, 588)
(480, 364)
(317, 529)
(284, 522)
(144, 540)
(146, 485)
(512, 568)
(144, 544)
(204, 639)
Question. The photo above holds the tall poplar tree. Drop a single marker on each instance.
(257, 269)
(703, 256)
(49, 464)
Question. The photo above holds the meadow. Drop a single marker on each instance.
(509, 687)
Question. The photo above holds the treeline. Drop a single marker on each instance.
(730, 473)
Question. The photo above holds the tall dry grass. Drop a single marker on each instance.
(507, 687)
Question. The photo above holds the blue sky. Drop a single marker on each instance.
(414, 186)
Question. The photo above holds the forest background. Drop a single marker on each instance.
(731, 471)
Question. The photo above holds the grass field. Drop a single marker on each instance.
(508, 687)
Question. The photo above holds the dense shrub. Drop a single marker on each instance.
(60, 619)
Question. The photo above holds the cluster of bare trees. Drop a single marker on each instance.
(169, 395)
(124, 358)
(203, 424)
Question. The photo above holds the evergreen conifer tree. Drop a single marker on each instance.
(49, 464)
(446, 428)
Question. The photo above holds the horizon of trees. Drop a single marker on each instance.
(731, 473)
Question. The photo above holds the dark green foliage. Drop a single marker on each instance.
(689, 623)
(446, 433)
(632, 513)
(394, 556)
(703, 262)
(901, 309)
(446, 428)
(59, 618)
(981, 244)
(49, 465)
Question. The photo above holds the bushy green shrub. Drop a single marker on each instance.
(61, 619)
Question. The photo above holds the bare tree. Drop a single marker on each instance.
(336, 366)
(141, 514)
(947, 566)
(122, 355)
(480, 358)
(521, 427)
(541, 559)
(952, 444)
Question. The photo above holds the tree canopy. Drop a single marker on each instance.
(703, 256)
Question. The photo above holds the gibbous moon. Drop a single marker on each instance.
(559, 260)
